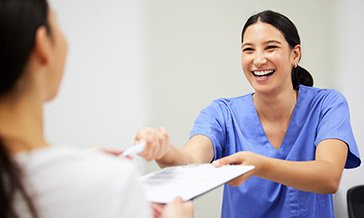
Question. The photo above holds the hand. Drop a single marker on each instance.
(178, 209)
(157, 142)
(242, 158)
(157, 209)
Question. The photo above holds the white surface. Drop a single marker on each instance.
(349, 56)
(188, 181)
(102, 95)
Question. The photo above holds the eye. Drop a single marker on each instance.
(271, 47)
(247, 50)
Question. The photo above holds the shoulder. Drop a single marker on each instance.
(232, 102)
(324, 96)
(76, 169)
(223, 108)
(59, 159)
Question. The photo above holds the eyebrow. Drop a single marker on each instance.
(267, 42)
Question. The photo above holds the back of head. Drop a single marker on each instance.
(290, 33)
(19, 21)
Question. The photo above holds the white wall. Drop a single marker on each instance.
(349, 56)
(158, 63)
(101, 101)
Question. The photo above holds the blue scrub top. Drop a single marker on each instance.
(233, 125)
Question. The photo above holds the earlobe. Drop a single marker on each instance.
(42, 46)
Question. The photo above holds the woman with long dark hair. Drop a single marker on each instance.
(298, 137)
(37, 179)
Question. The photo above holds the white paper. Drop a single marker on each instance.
(188, 181)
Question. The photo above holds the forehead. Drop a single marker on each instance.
(262, 32)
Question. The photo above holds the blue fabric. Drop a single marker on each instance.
(233, 125)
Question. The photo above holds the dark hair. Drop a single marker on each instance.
(19, 21)
(299, 74)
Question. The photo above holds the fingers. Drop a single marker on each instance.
(157, 210)
(164, 141)
(142, 134)
(178, 209)
(240, 158)
(157, 142)
(148, 152)
(236, 158)
(241, 179)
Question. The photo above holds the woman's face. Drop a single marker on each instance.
(59, 49)
(267, 59)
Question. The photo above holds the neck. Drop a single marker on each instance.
(275, 107)
(21, 123)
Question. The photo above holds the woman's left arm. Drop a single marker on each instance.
(321, 175)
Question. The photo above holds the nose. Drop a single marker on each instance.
(259, 58)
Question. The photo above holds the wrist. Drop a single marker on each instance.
(167, 158)
(263, 167)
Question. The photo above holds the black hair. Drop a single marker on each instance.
(299, 74)
(19, 21)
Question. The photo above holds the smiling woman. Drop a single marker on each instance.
(272, 42)
(298, 137)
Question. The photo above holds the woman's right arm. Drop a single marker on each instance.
(198, 149)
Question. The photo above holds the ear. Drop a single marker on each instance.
(296, 55)
(43, 47)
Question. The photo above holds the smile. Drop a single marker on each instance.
(263, 73)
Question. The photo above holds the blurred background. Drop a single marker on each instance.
(159, 62)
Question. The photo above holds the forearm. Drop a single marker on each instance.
(321, 175)
(312, 176)
(198, 149)
(174, 156)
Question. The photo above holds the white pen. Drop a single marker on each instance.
(134, 149)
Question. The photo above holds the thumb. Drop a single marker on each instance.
(232, 159)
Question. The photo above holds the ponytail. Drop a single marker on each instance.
(10, 184)
(300, 76)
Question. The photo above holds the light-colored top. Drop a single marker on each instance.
(69, 183)
(233, 125)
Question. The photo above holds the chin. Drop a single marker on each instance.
(264, 89)
(51, 96)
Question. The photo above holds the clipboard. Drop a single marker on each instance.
(188, 181)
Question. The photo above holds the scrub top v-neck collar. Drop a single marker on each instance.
(288, 139)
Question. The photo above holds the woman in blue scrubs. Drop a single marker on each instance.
(298, 137)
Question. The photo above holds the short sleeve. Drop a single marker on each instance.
(210, 123)
(335, 124)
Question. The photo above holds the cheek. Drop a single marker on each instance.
(245, 62)
(280, 59)
(63, 45)
(62, 50)
(275, 57)
(246, 70)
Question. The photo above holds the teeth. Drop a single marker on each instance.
(262, 73)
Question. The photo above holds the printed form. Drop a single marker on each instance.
(188, 181)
